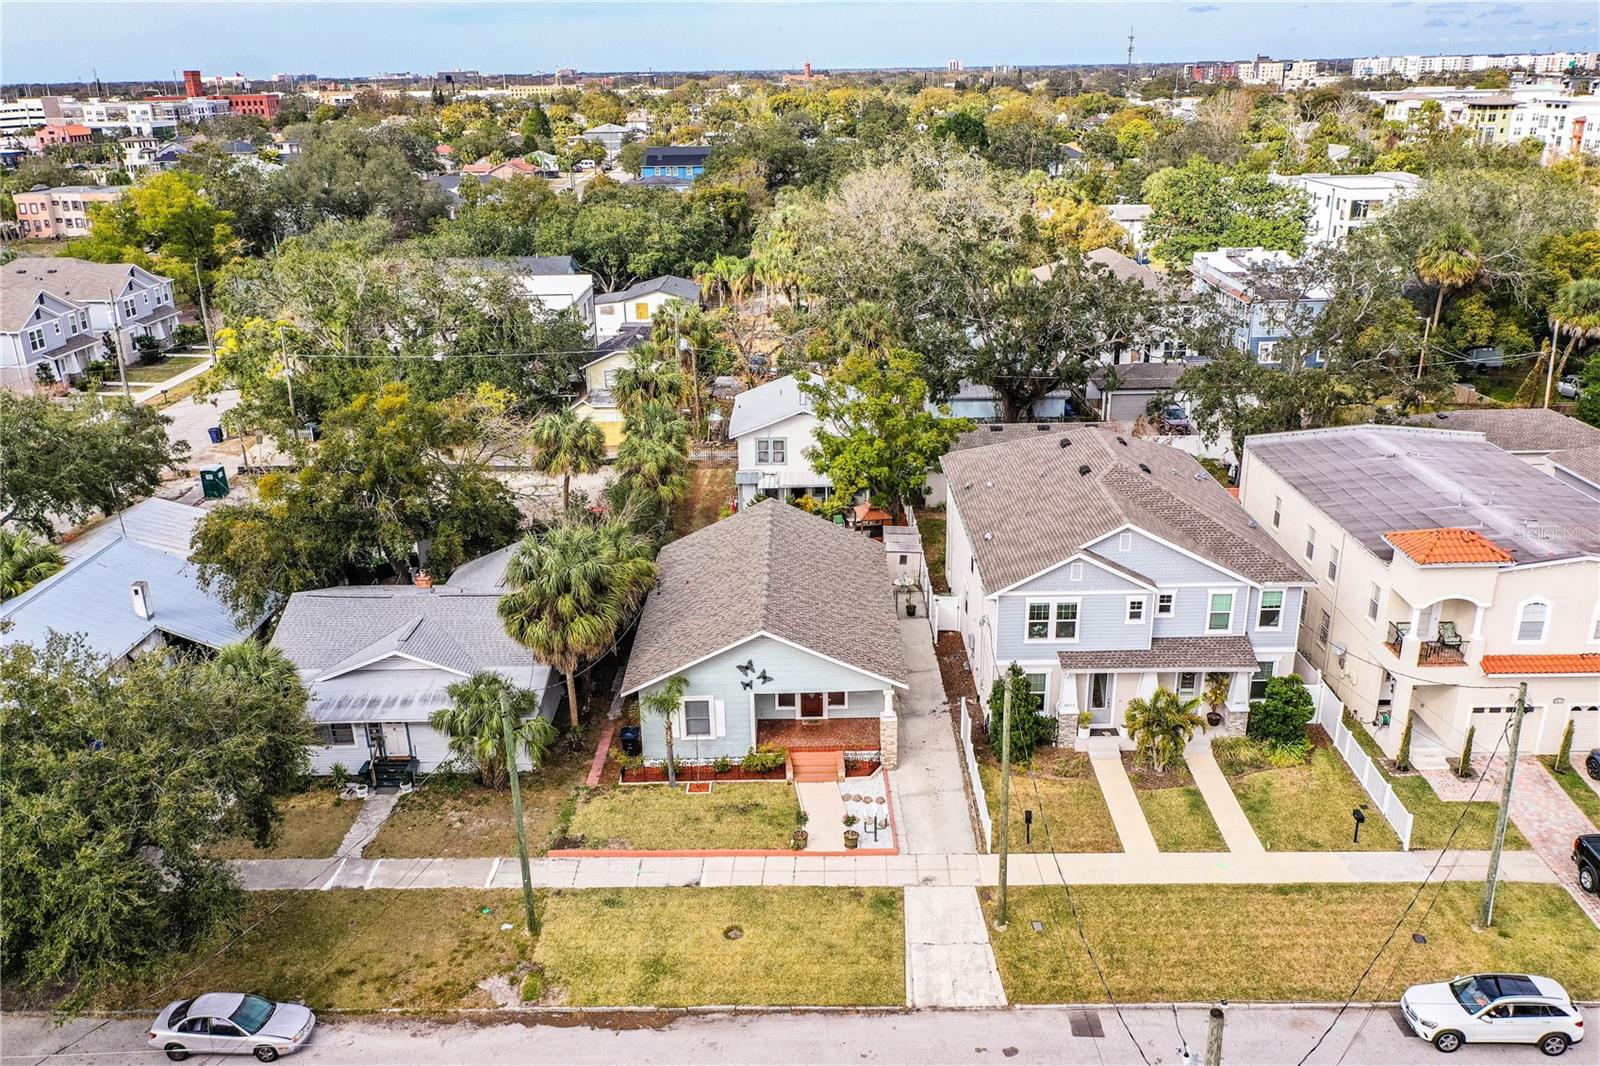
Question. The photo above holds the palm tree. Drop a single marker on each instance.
(1161, 725)
(573, 588)
(260, 684)
(1450, 260)
(25, 560)
(566, 443)
(664, 704)
(1575, 309)
(648, 375)
(477, 734)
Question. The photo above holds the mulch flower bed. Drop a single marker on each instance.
(952, 656)
(657, 774)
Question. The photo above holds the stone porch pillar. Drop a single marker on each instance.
(889, 733)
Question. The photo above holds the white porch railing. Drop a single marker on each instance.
(1330, 716)
(971, 756)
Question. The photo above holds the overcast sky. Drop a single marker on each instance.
(130, 41)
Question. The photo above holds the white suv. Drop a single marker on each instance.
(1494, 1008)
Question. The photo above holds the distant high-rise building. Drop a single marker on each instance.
(954, 66)
(191, 84)
(805, 68)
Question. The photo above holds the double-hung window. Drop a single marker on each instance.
(697, 717)
(1135, 609)
(1531, 622)
(1066, 627)
(1277, 511)
(1322, 628)
(1052, 620)
(1039, 686)
(35, 339)
(1271, 613)
(1372, 601)
(1311, 541)
(771, 450)
(1258, 682)
(1333, 563)
(1038, 621)
(1219, 618)
(1164, 602)
(130, 309)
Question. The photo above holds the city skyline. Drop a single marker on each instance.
(143, 41)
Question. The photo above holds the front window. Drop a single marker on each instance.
(336, 734)
(697, 718)
(1066, 621)
(35, 340)
(1039, 685)
(1188, 683)
(788, 701)
(771, 450)
(1531, 622)
(130, 309)
(252, 1014)
(1164, 603)
(837, 701)
(1271, 616)
(1038, 621)
(1258, 681)
(1220, 617)
(1135, 608)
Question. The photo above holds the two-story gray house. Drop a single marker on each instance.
(1105, 566)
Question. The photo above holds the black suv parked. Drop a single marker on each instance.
(1592, 764)
(1586, 853)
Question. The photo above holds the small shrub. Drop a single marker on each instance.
(850, 820)
(1283, 714)
(339, 776)
(1030, 729)
(764, 759)
(533, 987)
(1563, 761)
(630, 762)
(1402, 759)
(721, 764)
(1464, 767)
(1282, 755)
(188, 334)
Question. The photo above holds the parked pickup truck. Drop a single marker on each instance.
(1586, 853)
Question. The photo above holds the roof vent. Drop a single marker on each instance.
(1146, 469)
(1065, 441)
(1122, 442)
(1083, 471)
(996, 428)
(988, 536)
(1252, 523)
(1043, 427)
(1200, 477)
(988, 484)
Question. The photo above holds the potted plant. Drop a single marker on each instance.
(1085, 720)
(797, 840)
(851, 838)
(1215, 697)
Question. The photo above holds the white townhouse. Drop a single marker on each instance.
(550, 281)
(1344, 202)
(773, 426)
(1105, 566)
(637, 304)
(1447, 572)
(56, 314)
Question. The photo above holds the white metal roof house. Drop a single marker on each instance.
(774, 425)
(129, 589)
(378, 661)
(794, 639)
(1447, 572)
(1105, 565)
(549, 280)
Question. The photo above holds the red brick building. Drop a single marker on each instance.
(262, 105)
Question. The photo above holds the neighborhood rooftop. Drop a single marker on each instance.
(766, 404)
(75, 279)
(671, 284)
(770, 569)
(1031, 503)
(1517, 429)
(1374, 480)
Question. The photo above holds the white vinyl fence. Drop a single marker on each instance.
(1330, 716)
(971, 757)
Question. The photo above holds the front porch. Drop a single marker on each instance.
(829, 734)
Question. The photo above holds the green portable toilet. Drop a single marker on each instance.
(214, 481)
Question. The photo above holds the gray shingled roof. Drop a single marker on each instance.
(770, 568)
(671, 284)
(1134, 377)
(77, 280)
(1373, 480)
(1026, 506)
(1168, 653)
(1005, 433)
(1584, 462)
(338, 627)
(1516, 429)
(538, 265)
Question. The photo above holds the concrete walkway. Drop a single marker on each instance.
(153, 392)
(824, 814)
(949, 962)
(1123, 803)
(375, 810)
(1190, 868)
(930, 795)
(1237, 832)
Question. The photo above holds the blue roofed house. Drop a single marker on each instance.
(784, 626)
(129, 590)
(681, 162)
(378, 660)
(1106, 565)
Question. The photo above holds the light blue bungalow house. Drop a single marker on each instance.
(784, 626)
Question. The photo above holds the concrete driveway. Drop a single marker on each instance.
(930, 795)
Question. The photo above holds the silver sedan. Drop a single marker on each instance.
(228, 1023)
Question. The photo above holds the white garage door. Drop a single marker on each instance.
(1585, 730)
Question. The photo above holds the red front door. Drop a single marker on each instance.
(810, 705)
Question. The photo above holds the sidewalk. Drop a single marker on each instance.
(1190, 868)
(949, 962)
(1237, 832)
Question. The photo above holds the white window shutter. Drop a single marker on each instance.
(677, 724)
(719, 724)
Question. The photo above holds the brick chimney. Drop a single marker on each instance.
(422, 579)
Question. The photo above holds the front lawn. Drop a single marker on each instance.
(148, 374)
(1305, 807)
(1159, 943)
(930, 527)
(1433, 819)
(314, 824)
(757, 815)
(1177, 812)
(455, 817)
(679, 947)
(348, 949)
(1067, 799)
(1584, 796)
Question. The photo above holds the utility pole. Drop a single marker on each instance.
(516, 811)
(1214, 1034)
(288, 377)
(116, 344)
(205, 316)
(1505, 806)
(1005, 798)
(1550, 363)
(1127, 86)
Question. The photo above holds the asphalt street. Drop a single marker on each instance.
(1253, 1036)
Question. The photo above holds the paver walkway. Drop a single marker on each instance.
(1132, 826)
(1540, 808)
(930, 795)
(824, 814)
(1237, 832)
(949, 962)
(1191, 868)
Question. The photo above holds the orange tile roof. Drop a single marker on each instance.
(1445, 547)
(1587, 662)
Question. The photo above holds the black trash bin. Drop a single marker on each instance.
(631, 740)
(215, 433)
